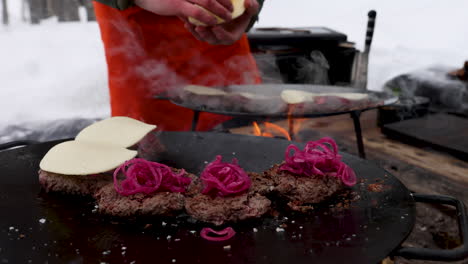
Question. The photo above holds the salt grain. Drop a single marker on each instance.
(279, 229)
(168, 237)
(164, 224)
(177, 239)
(124, 248)
(11, 228)
(193, 231)
(228, 247)
(301, 227)
(42, 220)
(174, 260)
(255, 230)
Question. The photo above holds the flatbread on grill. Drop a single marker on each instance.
(298, 96)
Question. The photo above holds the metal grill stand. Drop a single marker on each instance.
(355, 115)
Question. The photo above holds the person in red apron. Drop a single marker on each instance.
(149, 54)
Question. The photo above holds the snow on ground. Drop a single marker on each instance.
(55, 71)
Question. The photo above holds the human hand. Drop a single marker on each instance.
(190, 8)
(227, 33)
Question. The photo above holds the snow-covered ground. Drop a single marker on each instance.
(55, 71)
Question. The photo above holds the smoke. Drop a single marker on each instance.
(444, 92)
(42, 131)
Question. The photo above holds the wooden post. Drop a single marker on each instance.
(5, 17)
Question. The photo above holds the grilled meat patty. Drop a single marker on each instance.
(73, 184)
(160, 203)
(302, 190)
(261, 184)
(218, 210)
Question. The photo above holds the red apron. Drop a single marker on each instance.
(148, 54)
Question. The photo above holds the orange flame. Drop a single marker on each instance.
(283, 131)
(270, 130)
(257, 130)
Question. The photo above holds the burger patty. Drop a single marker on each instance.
(261, 184)
(160, 203)
(73, 184)
(302, 190)
(218, 210)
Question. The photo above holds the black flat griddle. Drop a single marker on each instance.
(73, 232)
(374, 100)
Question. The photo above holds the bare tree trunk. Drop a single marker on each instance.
(89, 10)
(68, 10)
(5, 17)
(23, 10)
(36, 10)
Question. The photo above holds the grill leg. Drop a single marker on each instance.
(196, 115)
(355, 115)
(291, 128)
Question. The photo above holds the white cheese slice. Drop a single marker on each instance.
(115, 131)
(84, 158)
(297, 96)
(239, 9)
(203, 90)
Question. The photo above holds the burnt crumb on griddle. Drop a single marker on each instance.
(375, 187)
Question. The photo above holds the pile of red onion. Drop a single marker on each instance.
(142, 176)
(318, 159)
(224, 179)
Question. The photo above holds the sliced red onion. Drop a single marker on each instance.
(142, 176)
(222, 235)
(318, 158)
(224, 179)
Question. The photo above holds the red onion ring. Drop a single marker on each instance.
(223, 235)
(142, 176)
(318, 158)
(224, 179)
